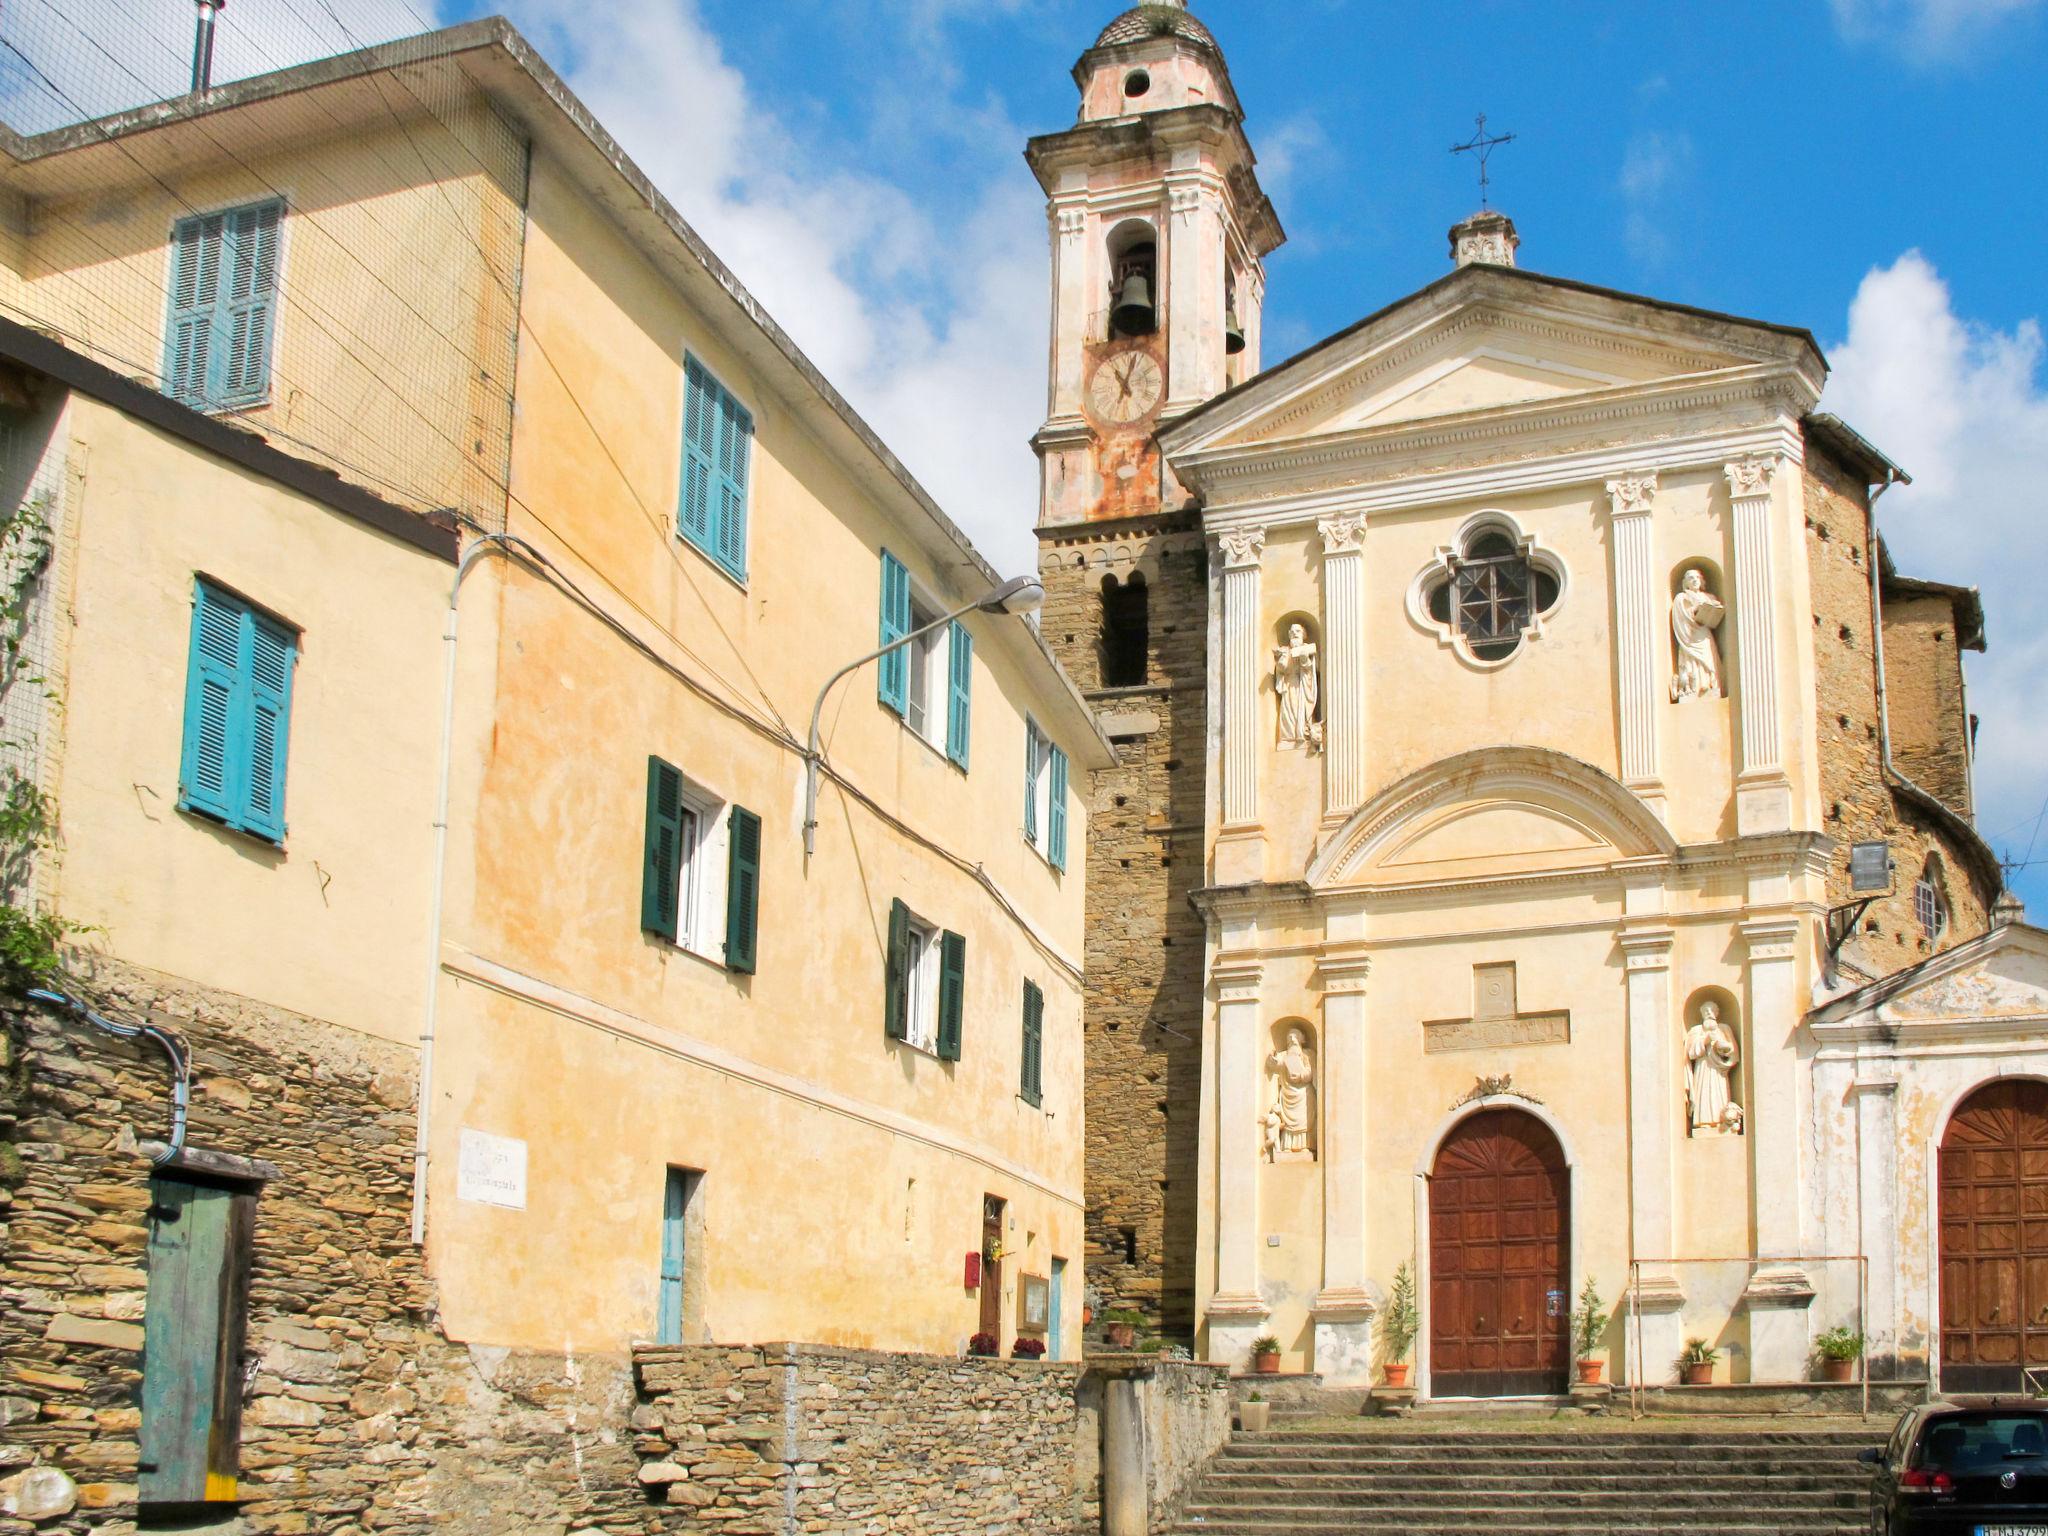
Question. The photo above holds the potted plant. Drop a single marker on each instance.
(1028, 1349)
(1266, 1355)
(1696, 1363)
(1589, 1321)
(1254, 1414)
(1399, 1323)
(1839, 1350)
(985, 1346)
(1120, 1326)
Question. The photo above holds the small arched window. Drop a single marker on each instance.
(1930, 902)
(1492, 592)
(1126, 630)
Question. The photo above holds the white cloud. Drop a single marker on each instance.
(1653, 166)
(935, 330)
(1964, 408)
(1926, 30)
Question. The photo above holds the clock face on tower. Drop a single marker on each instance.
(1126, 387)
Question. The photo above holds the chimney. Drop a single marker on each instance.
(1488, 236)
(202, 46)
(2008, 909)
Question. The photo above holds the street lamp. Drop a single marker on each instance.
(1020, 594)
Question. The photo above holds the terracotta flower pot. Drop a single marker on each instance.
(1120, 1335)
(1701, 1375)
(1266, 1365)
(1838, 1370)
(1396, 1373)
(1589, 1371)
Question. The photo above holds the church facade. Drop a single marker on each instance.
(1504, 709)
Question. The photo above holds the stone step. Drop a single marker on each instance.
(1492, 1525)
(1627, 1500)
(1312, 1459)
(1659, 1483)
(1569, 1439)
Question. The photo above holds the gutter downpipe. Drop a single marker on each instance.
(489, 543)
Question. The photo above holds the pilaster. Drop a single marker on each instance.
(1240, 848)
(1343, 664)
(1236, 1309)
(1071, 281)
(1636, 639)
(1646, 958)
(1343, 1310)
(1193, 266)
(1763, 795)
(1875, 1097)
(1779, 1292)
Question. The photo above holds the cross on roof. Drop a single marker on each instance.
(1483, 145)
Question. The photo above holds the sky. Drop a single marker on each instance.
(1868, 169)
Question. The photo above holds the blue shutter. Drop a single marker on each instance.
(195, 292)
(1056, 813)
(249, 282)
(675, 1202)
(1031, 1076)
(700, 454)
(952, 993)
(735, 444)
(894, 686)
(272, 651)
(206, 779)
(1031, 781)
(959, 712)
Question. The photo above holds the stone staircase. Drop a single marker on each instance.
(1322, 1477)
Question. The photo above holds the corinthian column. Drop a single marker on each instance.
(1763, 799)
(1343, 663)
(1635, 631)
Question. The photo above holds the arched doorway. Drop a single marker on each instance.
(1499, 1259)
(1994, 1238)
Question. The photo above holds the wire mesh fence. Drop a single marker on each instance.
(393, 325)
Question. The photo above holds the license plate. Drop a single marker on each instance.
(2012, 1530)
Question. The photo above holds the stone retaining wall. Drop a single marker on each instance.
(779, 1439)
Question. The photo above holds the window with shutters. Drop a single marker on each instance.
(238, 702)
(701, 881)
(718, 450)
(930, 680)
(925, 984)
(1031, 1072)
(222, 322)
(1045, 795)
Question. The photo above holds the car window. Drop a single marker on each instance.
(1961, 1442)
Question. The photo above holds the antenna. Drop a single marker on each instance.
(1480, 144)
(202, 45)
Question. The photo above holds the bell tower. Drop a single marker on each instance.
(1159, 232)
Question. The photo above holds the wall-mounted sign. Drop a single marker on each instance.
(1870, 868)
(491, 1170)
(1034, 1305)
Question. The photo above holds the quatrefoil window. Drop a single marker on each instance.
(1489, 592)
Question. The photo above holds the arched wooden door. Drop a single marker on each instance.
(1499, 1259)
(1994, 1238)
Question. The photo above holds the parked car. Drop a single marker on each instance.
(1954, 1471)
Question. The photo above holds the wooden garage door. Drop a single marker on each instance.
(1994, 1239)
(1499, 1259)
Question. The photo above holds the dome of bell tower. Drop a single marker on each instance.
(1161, 18)
(1153, 58)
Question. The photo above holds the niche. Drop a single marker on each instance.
(1289, 1127)
(1697, 609)
(1710, 1061)
(1297, 682)
(1126, 630)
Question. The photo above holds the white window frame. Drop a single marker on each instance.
(921, 987)
(928, 672)
(1039, 765)
(1928, 906)
(701, 873)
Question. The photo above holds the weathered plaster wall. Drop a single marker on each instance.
(1859, 805)
(1142, 1006)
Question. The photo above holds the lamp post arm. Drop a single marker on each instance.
(811, 750)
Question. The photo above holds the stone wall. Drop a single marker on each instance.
(1924, 696)
(1142, 999)
(1859, 805)
(359, 1415)
(785, 1438)
(1187, 1421)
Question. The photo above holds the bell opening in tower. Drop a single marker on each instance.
(1134, 279)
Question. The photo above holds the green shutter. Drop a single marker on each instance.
(1032, 1076)
(272, 653)
(718, 435)
(952, 993)
(662, 858)
(195, 292)
(1030, 780)
(700, 453)
(1056, 814)
(894, 685)
(742, 890)
(249, 273)
(199, 1243)
(213, 681)
(896, 978)
(960, 693)
(735, 449)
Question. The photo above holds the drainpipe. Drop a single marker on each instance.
(181, 1068)
(490, 543)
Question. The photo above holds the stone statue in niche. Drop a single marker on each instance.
(1290, 1121)
(1710, 1053)
(1695, 614)
(1294, 679)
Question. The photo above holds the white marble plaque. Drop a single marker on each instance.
(491, 1170)
(1485, 1034)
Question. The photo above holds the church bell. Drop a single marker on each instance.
(1133, 314)
(1233, 332)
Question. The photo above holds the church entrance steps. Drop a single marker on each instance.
(1553, 1475)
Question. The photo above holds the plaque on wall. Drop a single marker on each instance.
(1492, 1034)
(1034, 1304)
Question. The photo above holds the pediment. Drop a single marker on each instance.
(1504, 812)
(1488, 340)
(2002, 975)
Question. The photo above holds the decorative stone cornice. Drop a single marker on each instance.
(1633, 493)
(1237, 980)
(1752, 477)
(1241, 547)
(1342, 535)
(1073, 221)
(1770, 938)
(1343, 969)
(1344, 1304)
(1647, 949)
